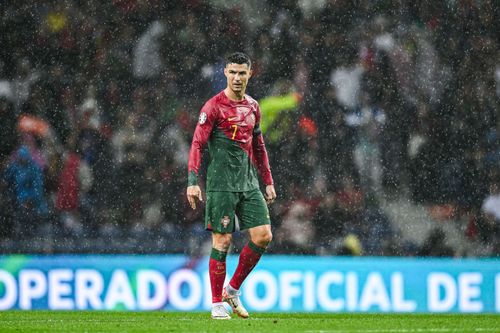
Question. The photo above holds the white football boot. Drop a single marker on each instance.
(232, 297)
(220, 312)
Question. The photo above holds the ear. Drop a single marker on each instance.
(250, 73)
(225, 71)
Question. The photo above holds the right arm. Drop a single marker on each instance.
(204, 127)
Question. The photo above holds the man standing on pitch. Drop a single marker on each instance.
(229, 122)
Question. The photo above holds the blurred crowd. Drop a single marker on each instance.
(363, 102)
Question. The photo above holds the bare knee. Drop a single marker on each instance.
(221, 242)
(262, 239)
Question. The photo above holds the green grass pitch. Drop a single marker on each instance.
(123, 322)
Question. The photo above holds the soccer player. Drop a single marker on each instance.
(229, 123)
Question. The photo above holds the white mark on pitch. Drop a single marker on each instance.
(411, 330)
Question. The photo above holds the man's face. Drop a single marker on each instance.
(237, 77)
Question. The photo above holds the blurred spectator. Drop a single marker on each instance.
(351, 246)
(148, 61)
(26, 181)
(435, 245)
(349, 201)
(368, 122)
(490, 217)
(8, 134)
(132, 143)
(375, 231)
(346, 79)
(75, 180)
(22, 83)
(297, 232)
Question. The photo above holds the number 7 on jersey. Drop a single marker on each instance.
(234, 131)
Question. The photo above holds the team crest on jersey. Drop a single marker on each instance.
(203, 118)
(225, 221)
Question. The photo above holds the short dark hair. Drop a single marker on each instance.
(238, 58)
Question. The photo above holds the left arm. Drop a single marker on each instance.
(262, 160)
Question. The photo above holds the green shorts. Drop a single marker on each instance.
(221, 208)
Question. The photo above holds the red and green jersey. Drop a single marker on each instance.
(235, 145)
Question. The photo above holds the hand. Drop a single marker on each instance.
(193, 193)
(270, 194)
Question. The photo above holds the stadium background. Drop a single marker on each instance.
(381, 120)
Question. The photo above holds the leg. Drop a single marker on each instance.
(254, 216)
(260, 237)
(219, 218)
(250, 255)
(217, 272)
(217, 264)
(221, 242)
(252, 210)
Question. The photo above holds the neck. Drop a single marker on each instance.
(239, 96)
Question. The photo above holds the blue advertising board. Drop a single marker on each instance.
(279, 283)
